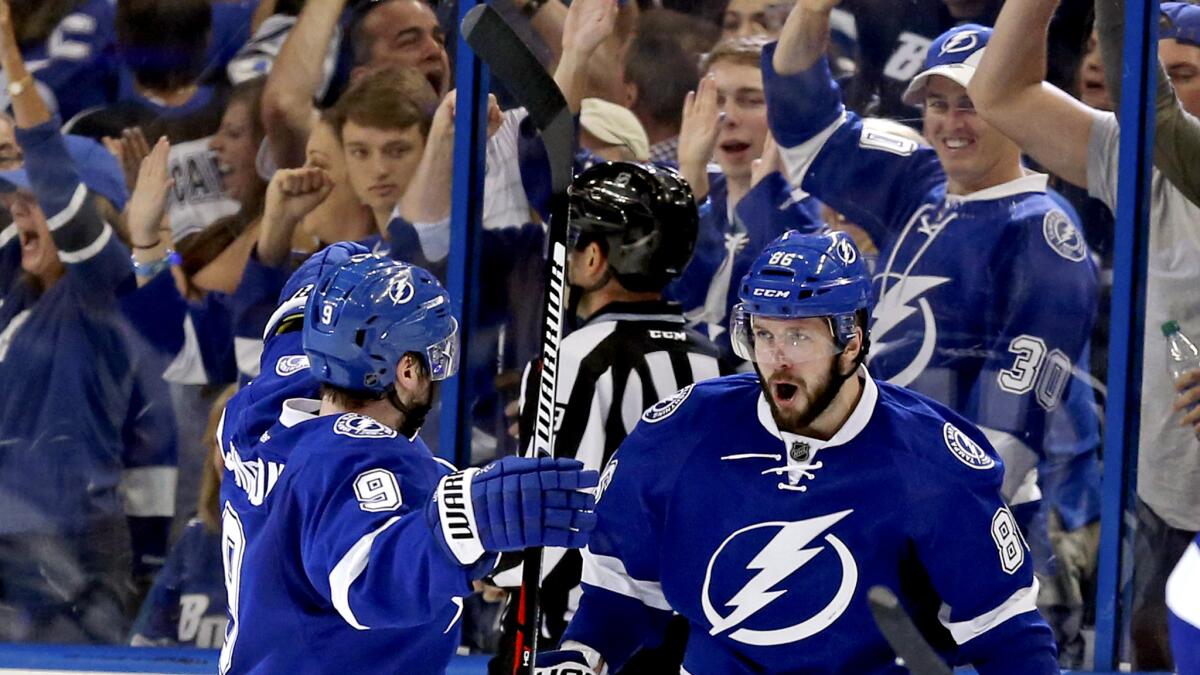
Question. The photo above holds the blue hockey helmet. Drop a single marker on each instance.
(294, 296)
(800, 276)
(367, 313)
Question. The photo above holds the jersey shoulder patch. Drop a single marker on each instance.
(965, 449)
(667, 407)
(1063, 237)
(291, 364)
(354, 425)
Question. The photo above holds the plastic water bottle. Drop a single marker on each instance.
(1182, 355)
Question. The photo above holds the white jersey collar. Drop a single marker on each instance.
(850, 429)
(1032, 182)
(297, 410)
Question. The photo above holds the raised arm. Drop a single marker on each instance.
(588, 24)
(1009, 92)
(85, 243)
(1176, 131)
(804, 38)
(287, 106)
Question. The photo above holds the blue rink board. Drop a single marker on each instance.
(68, 659)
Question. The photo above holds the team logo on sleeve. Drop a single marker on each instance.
(290, 365)
(966, 450)
(1063, 237)
(664, 408)
(361, 426)
(755, 567)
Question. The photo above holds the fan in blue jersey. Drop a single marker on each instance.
(985, 290)
(366, 544)
(762, 507)
(748, 203)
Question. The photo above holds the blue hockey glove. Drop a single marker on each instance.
(562, 662)
(511, 504)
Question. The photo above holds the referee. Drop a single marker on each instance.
(632, 229)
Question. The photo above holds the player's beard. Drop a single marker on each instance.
(817, 393)
(414, 411)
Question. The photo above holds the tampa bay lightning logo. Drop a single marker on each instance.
(759, 563)
(606, 479)
(400, 289)
(902, 303)
(845, 251)
(966, 450)
(290, 365)
(361, 426)
(960, 42)
(1063, 236)
(663, 409)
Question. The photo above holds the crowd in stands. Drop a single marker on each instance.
(166, 164)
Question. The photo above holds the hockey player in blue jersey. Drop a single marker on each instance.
(366, 544)
(763, 506)
(985, 291)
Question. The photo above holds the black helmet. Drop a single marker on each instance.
(644, 213)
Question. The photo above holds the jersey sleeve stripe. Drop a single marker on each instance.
(609, 573)
(63, 217)
(1183, 586)
(87, 252)
(149, 491)
(348, 569)
(1023, 600)
(799, 158)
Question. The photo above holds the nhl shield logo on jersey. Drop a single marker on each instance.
(663, 409)
(966, 450)
(1062, 236)
(290, 365)
(755, 567)
(361, 426)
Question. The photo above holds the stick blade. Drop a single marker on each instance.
(903, 636)
(512, 62)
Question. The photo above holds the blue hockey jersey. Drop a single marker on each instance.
(87, 431)
(334, 565)
(1183, 604)
(767, 542)
(984, 302)
(729, 240)
(186, 605)
(78, 62)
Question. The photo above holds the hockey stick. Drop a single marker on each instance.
(510, 60)
(902, 634)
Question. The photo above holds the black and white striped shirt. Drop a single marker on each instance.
(622, 360)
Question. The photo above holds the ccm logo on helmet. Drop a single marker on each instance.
(771, 293)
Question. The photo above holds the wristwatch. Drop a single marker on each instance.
(15, 89)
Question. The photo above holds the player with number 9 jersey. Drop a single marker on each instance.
(345, 543)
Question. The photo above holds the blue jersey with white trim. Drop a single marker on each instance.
(983, 302)
(78, 62)
(767, 542)
(1183, 605)
(339, 568)
(82, 410)
(725, 247)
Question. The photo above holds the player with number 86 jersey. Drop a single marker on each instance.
(762, 507)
